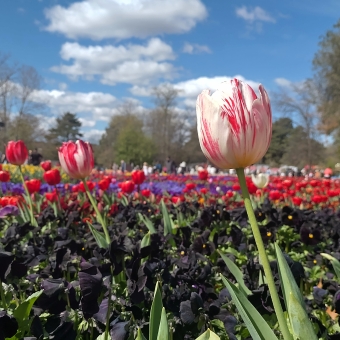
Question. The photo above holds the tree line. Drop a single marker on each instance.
(306, 113)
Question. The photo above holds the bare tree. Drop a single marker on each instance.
(299, 103)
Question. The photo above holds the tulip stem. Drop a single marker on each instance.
(263, 256)
(100, 218)
(29, 199)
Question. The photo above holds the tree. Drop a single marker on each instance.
(327, 76)
(67, 128)
(297, 147)
(299, 103)
(282, 129)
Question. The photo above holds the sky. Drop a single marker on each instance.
(93, 55)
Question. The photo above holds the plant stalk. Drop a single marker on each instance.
(263, 256)
(3, 298)
(29, 199)
(100, 218)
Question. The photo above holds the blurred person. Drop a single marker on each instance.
(35, 157)
(122, 166)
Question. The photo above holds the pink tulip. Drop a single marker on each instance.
(234, 124)
(76, 159)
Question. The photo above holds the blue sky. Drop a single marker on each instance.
(93, 54)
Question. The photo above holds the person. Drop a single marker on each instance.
(158, 167)
(145, 169)
(122, 166)
(35, 157)
(182, 168)
(168, 165)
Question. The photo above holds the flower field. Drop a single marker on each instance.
(57, 270)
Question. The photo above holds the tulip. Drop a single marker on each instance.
(127, 187)
(261, 180)
(52, 177)
(51, 196)
(47, 165)
(138, 176)
(146, 192)
(16, 152)
(4, 176)
(104, 184)
(33, 185)
(203, 175)
(234, 125)
(76, 159)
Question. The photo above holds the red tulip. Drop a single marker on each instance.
(190, 186)
(47, 165)
(76, 159)
(204, 191)
(297, 200)
(138, 176)
(52, 177)
(16, 152)
(203, 175)
(234, 125)
(4, 201)
(275, 195)
(51, 196)
(146, 192)
(33, 185)
(91, 185)
(4, 176)
(236, 187)
(104, 184)
(127, 187)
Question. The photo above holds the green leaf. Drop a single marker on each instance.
(155, 313)
(335, 263)
(208, 335)
(147, 223)
(140, 335)
(22, 312)
(163, 331)
(166, 219)
(257, 326)
(238, 275)
(99, 237)
(301, 326)
(146, 241)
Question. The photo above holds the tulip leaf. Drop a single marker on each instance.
(99, 237)
(256, 325)
(147, 223)
(166, 219)
(146, 241)
(140, 335)
(155, 312)
(208, 335)
(301, 325)
(335, 263)
(163, 331)
(235, 271)
(22, 312)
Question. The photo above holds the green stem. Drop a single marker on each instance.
(100, 218)
(3, 299)
(263, 256)
(29, 199)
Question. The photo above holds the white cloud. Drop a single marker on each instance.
(100, 19)
(190, 89)
(93, 136)
(283, 82)
(118, 64)
(100, 105)
(195, 48)
(254, 14)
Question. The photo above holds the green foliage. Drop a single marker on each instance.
(67, 128)
(155, 313)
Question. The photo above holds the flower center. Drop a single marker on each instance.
(315, 261)
(310, 235)
(269, 234)
(204, 246)
(290, 217)
(182, 253)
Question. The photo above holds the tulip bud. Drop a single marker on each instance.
(260, 180)
(234, 125)
(16, 152)
(52, 177)
(76, 159)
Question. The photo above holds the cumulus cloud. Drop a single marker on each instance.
(189, 90)
(254, 14)
(283, 82)
(100, 19)
(93, 136)
(100, 105)
(118, 64)
(195, 48)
